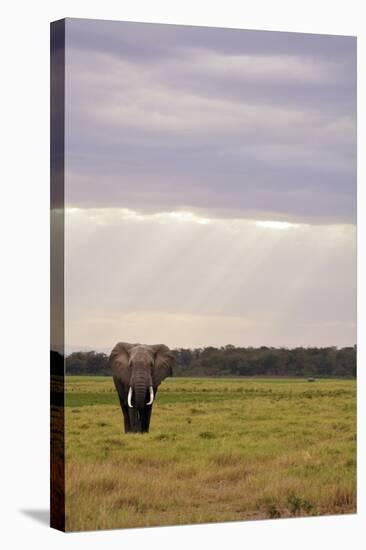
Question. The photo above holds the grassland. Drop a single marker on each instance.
(218, 450)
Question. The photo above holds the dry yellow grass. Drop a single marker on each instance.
(218, 450)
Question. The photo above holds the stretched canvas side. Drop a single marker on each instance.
(57, 360)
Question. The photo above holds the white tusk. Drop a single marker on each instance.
(151, 396)
(129, 397)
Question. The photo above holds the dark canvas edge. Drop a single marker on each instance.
(57, 332)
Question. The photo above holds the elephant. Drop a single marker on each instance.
(138, 370)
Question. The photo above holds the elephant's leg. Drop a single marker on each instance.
(126, 419)
(145, 418)
(122, 396)
(147, 414)
(135, 420)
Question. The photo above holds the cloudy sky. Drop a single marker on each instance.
(210, 186)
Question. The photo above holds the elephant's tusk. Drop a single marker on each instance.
(129, 398)
(151, 396)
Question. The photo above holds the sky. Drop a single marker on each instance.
(210, 186)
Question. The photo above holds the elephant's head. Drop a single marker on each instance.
(141, 368)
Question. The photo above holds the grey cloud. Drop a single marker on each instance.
(126, 39)
(152, 126)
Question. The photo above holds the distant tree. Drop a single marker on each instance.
(236, 361)
(89, 362)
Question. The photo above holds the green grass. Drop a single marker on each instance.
(218, 450)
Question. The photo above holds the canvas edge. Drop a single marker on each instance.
(57, 239)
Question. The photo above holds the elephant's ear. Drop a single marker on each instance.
(163, 363)
(118, 360)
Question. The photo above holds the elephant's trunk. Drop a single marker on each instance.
(140, 386)
(140, 391)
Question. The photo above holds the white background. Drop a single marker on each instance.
(24, 276)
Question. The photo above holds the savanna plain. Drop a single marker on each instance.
(218, 450)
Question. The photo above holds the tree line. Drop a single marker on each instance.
(237, 361)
